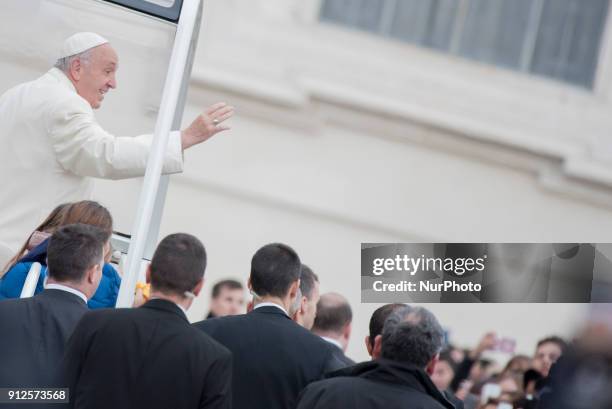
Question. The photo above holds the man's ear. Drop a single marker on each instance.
(294, 300)
(303, 305)
(148, 274)
(251, 303)
(299, 311)
(432, 365)
(198, 287)
(108, 252)
(76, 69)
(293, 290)
(376, 351)
(92, 274)
(368, 345)
(348, 328)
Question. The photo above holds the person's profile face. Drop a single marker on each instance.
(546, 355)
(98, 75)
(228, 302)
(442, 375)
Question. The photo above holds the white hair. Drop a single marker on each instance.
(64, 64)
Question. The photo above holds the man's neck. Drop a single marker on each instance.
(271, 300)
(332, 336)
(183, 302)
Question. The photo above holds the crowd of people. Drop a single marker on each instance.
(286, 351)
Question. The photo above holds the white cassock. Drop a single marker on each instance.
(50, 148)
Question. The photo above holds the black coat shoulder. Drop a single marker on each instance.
(155, 358)
(35, 332)
(280, 356)
(378, 384)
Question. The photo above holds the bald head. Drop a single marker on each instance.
(334, 314)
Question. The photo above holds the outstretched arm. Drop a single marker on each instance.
(84, 148)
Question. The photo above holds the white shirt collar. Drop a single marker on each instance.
(332, 341)
(270, 304)
(55, 286)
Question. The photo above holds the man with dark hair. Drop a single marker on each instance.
(377, 321)
(411, 341)
(34, 331)
(227, 299)
(305, 309)
(276, 357)
(151, 357)
(333, 324)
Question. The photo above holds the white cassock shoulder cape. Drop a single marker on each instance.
(50, 148)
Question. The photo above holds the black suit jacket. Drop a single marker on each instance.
(148, 357)
(33, 335)
(338, 354)
(276, 358)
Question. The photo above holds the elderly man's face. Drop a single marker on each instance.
(97, 76)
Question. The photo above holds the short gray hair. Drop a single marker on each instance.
(412, 335)
(64, 64)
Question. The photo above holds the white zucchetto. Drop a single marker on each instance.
(79, 42)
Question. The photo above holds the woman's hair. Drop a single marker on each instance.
(517, 365)
(88, 212)
(49, 225)
(85, 212)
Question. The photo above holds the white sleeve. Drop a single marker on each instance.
(82, 147)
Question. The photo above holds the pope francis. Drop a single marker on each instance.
(51, 145)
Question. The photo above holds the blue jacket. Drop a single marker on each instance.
(12, 282)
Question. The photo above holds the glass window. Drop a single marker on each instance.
(554, 38)
(569, 39)
(495, 31)
(429, 23)
(165, 9)
(363, 14)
